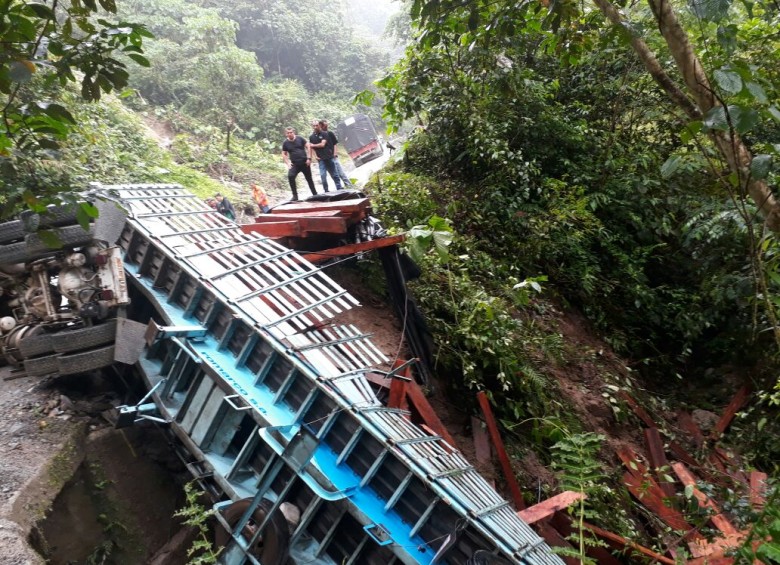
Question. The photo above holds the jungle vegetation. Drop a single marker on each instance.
(611, 158)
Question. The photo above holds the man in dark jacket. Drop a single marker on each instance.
(339, 169)
(224, 207)
(297, 156)
(323, 147)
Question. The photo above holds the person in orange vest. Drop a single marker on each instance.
(261, 198)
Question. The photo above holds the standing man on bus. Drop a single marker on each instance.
(323, 147)
(339, 169)
(297, 156)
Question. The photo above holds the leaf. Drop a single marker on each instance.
(670, 166)
(690, 131)
(727, 38)
(83, 216)
(769, 552)
(757, 91)
(437, 223)
(760, 166)
(49, 239)
(729, 81)
(710, 10)
(57, 112)
(108, 5)
(40, 10)
(140, 59)
(774, 112)
(688, 491)
(743, 118)
(716, 119)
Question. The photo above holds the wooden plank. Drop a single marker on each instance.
(739, 400)
(622, 544)
(397, 397)
(690, 427)
(281, 216)
(653, 500)
(658, 460)
(417, 399)
(635, 466)
(562, 522)
(548, 507)
(758, 488)
(352, 248)
(274, 229)
(481, 440)
(711, 560)
(718, 520)
(380, 380)
(506, 466)
(347, 206)
(640, 412)
(555, 539)
(680, 453)
(323, 222)
(718, 546)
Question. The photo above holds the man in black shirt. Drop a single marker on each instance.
(320, 142)
(297, 156)
(339, 169)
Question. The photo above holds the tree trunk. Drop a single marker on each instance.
(699, 99)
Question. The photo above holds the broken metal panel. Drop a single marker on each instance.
(272, 371)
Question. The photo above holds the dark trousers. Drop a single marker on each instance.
(293, 172)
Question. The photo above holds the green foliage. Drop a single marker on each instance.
(43, 50)
(572, 172)
(763, 542)
(202, 551)
(405, 199)
(575, 456)
(437, 235)
(315, 46)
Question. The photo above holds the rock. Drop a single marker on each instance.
(66, 404)
(705, 419)
(16, 428)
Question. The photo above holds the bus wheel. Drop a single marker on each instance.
(273, 546)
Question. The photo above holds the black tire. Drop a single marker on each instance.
(70, 236)
(86, 361)
(41, 366)
(11, 231)
(275, 543)
(12, 253)
(75, 340)
(34, 248)
(35, 345)
(54, 216)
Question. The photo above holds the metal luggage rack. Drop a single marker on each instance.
(271, 397)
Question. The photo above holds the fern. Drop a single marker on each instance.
(580, 471)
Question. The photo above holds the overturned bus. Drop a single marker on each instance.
(269, 402)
